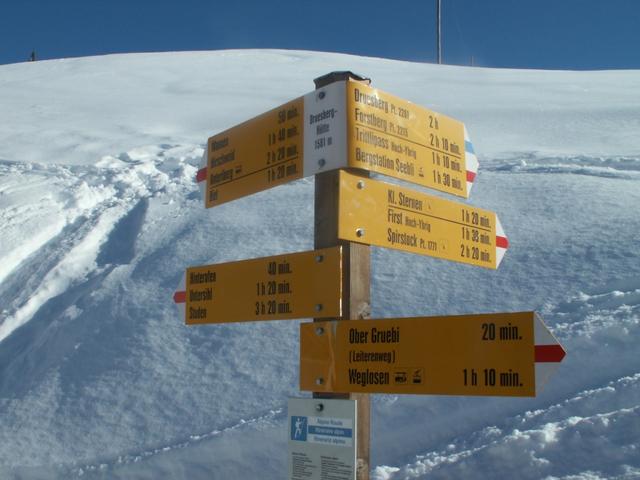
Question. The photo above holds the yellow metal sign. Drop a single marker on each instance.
(297, 285)
(386, 215)
(461, 355)
(342, 125)
(395, 137)
(256, 155)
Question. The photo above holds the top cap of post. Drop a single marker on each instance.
(332, 77)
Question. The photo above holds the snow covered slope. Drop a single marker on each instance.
(100, 216)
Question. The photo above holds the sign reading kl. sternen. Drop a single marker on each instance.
(386, 215)
(345, 124)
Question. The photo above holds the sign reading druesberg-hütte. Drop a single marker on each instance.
(297, 285)
(395, 137)
(386, 215)
(343, 125)
(503, 354)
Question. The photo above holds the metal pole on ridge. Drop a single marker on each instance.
(439, 30)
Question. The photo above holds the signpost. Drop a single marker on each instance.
(344, 124)
(386, 215)
(322, 439)
(296, 285)
(503, 354)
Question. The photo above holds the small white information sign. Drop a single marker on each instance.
(322, 439)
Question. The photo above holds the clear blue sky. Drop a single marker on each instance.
(553, 34)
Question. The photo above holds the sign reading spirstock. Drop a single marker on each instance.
(387, 215)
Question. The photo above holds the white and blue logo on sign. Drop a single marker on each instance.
(299, 428)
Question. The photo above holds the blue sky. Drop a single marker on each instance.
(549, 34)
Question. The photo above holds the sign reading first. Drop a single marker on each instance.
(343, 125)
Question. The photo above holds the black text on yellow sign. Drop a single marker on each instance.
(260, 153)
(386, 215)
(460, 355)
(345, 124)
(395, 137)
(297, 285)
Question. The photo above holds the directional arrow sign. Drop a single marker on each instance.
(345, 124)
(386, 215)
(297, 285)
(395, 137)
(502, 354)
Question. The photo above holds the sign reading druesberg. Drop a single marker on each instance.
(345, 124)
(505, 354)
(395, 137)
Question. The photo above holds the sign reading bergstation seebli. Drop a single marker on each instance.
(343, 125)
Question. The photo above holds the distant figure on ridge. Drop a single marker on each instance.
(32, 57)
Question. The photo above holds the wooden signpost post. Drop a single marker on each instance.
(339, 133)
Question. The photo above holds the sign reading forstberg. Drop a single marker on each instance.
(397, 138)
(343, 125)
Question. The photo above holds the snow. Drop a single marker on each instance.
(100, 217)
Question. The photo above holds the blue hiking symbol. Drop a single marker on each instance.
(299, 428)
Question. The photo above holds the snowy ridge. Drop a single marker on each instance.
(100, 217)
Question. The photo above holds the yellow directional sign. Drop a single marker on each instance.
(297, 285)
(386, 215)
(493, 354)
(261, 153)
(342, 125)
(395, 137)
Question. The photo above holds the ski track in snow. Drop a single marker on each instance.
(72, 212)
(607, 167)
(271, 418)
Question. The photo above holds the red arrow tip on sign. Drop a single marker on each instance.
(502, 242)
(180, 297)
(549, 353)
(201, 176)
